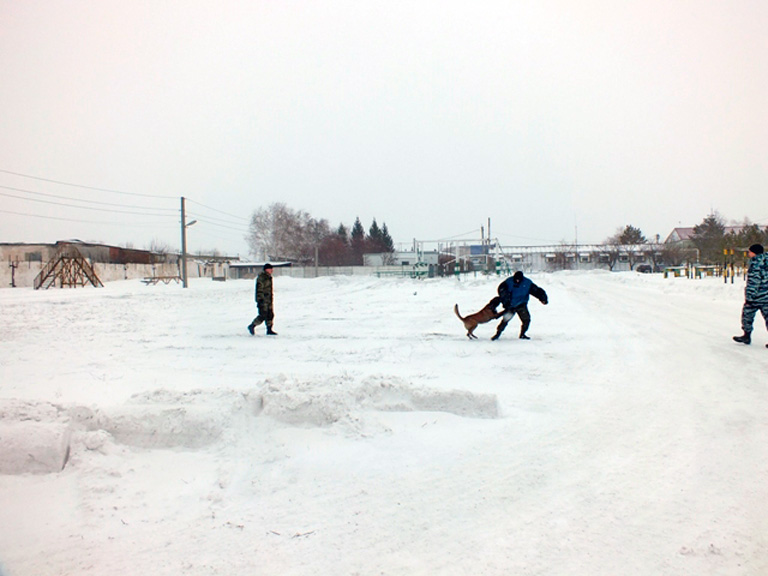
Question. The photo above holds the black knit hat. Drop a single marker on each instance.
(756, 248)
(267, 266)
(517, 276)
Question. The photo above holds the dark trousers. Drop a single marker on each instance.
(525, 319)
(748, 313)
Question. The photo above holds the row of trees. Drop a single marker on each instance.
(278, 232)
(713, 238)
(712, 242)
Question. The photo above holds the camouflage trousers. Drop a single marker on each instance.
(266, 314)
(748, 313)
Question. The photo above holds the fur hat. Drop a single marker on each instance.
(267, 266)
(756, 248)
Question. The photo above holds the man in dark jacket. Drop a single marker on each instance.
(264, 301)
(514, 293)
(755, 293)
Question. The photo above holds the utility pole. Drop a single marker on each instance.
(184, 226)
(488, 259)
(183, 244)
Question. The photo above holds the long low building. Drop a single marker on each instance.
(25, 261)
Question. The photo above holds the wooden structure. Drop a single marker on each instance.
(67, 268)
(152, 280)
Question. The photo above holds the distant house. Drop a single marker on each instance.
(25, 262)
(685, 235)
(400, 258)
(239, 270)
(96, 253)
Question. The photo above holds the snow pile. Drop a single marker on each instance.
(333, 400)
(33, 438)
(36, 435)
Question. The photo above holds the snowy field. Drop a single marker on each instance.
(144, 432)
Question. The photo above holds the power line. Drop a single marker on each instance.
(81, 207)
(505, 235)
(456, 236)
(83, 186)
(235, 228)
(217, 221)
(141, 225)
(219, 211)
(80, 200)
(217, 237)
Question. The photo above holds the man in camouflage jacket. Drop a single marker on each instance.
(755, 294)
(264, 301)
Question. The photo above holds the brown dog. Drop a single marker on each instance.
(486, 314)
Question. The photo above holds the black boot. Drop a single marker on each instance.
(744, 338)
(250, 328)
(271, 332)
(499, 330)
(524, 337)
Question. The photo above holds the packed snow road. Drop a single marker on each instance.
(371, 436)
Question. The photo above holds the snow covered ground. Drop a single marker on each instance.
(627, 437)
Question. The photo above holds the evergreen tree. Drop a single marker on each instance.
(335, 250)
(749, 234)
(342, 233)
(386, 239)
(709, 238)
(357, 242)
(631, 235)
(374, 238)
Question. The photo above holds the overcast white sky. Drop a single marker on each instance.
(554, 118)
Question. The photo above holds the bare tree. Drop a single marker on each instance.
(612, 250)
(673, 255)
(565, 257)
(282, 233)
(158, 247)
(334, 249)
(655, 253)
(628, 242)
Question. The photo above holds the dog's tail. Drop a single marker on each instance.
(456, 309)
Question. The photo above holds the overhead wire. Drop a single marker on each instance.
(454, 237)
(122, 223)
(82, 200)
(504, 235)
(233, 226)
(219, 211)
(84, 186)
(216, 222)
(80, 207)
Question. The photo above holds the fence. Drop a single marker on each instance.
(415, 271)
